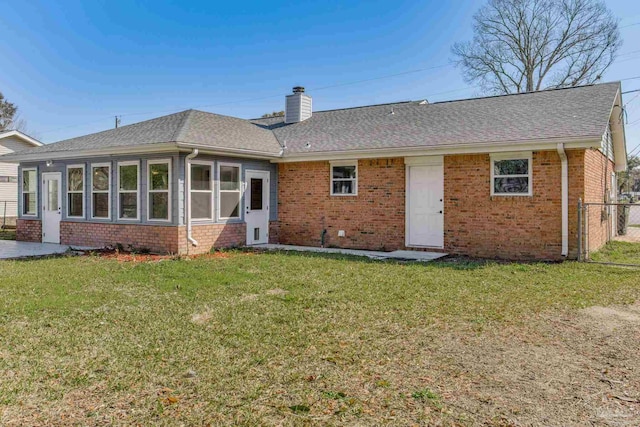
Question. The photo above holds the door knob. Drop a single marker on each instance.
(440, 212)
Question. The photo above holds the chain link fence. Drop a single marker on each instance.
(8, 213)
(609, 233)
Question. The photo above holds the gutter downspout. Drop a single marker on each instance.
(187, 196)
(565, 199)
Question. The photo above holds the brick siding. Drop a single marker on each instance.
(156, 238)
(374, 219)
(475, 223)
(597, 183)
(29, 230)
(210, 236)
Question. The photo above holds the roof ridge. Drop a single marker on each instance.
(183, 124)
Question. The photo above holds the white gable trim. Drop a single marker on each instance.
(26, 138)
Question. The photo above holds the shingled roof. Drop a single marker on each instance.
(573, 113)
(560, 114)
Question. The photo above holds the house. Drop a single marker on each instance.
(498, 176)
(11, 141)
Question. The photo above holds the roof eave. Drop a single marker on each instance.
(591, 141)
(23, 136)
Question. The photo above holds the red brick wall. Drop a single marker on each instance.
(597, 184)
(29, 230)
(211, 236)
(511, 227)
(163, 239)
(374, 219)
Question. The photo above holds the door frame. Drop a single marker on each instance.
(420, 161)
(266, 175)
(45, 205)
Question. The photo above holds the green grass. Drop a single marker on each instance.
(258, 339)
(618, 252)
(8, 234)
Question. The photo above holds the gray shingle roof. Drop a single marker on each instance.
(581, 112)
(190, 126)
(574, 113)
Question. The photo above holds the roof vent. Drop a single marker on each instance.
(297, 106)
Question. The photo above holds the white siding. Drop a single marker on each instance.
(9, 190)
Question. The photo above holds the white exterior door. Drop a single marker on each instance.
(51, 207)
(256, 203)
(425, 206)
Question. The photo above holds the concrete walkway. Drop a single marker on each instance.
(11, 249)
(398, 255)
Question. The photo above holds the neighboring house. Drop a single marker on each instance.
(10, 142)
(493, 177)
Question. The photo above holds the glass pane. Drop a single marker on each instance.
(343, 187)
(100, 205)
(229, 205)
(159, 174)
(29, 181)
(511, 185)
(200, 177)
(129, 177)
(229, 178)
(52, 195)
(29, 203)
(256, 194)
(159, 208)
(201, 205)
(128, 205)
(74, 182)
(75, 204)
(256, 234)
(344, 172)
(101, 178)
(511, 167)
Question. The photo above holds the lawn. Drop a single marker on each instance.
(293, 339)
(618, 252)
(8, 234)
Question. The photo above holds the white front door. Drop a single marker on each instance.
(51, 207)
(425, 207)
(256, 213)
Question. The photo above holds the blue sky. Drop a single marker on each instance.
(71, 66)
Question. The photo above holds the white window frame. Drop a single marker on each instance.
(239, 191)
(355, 180)
(150, 191)
(99, 165)
(84, 186)
(526, 155)
(212, 190)
(137, 191)
(37, 193)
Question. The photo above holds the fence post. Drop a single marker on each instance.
(580, 229)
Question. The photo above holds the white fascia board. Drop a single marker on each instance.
(229, 152)
(547, 145)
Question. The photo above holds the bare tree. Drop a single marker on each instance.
(274, 114)
(527, 45)
(7, 113)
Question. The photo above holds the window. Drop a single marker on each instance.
(75, 191)
(201, 190)
(4, 178)
(511, 174)
(128, 186)
(344, 179)
(159, 188)
(101, 190)
(229, 191)
(29, 192)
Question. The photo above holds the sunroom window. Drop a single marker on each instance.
(100, 190)
(75, 191)
(128, 178)
(29, 192)
(201, 191)
(159, 184)
(229, 192)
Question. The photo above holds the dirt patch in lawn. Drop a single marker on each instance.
(136, 257)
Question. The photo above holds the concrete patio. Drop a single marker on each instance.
(419, 256)
(10, 249)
